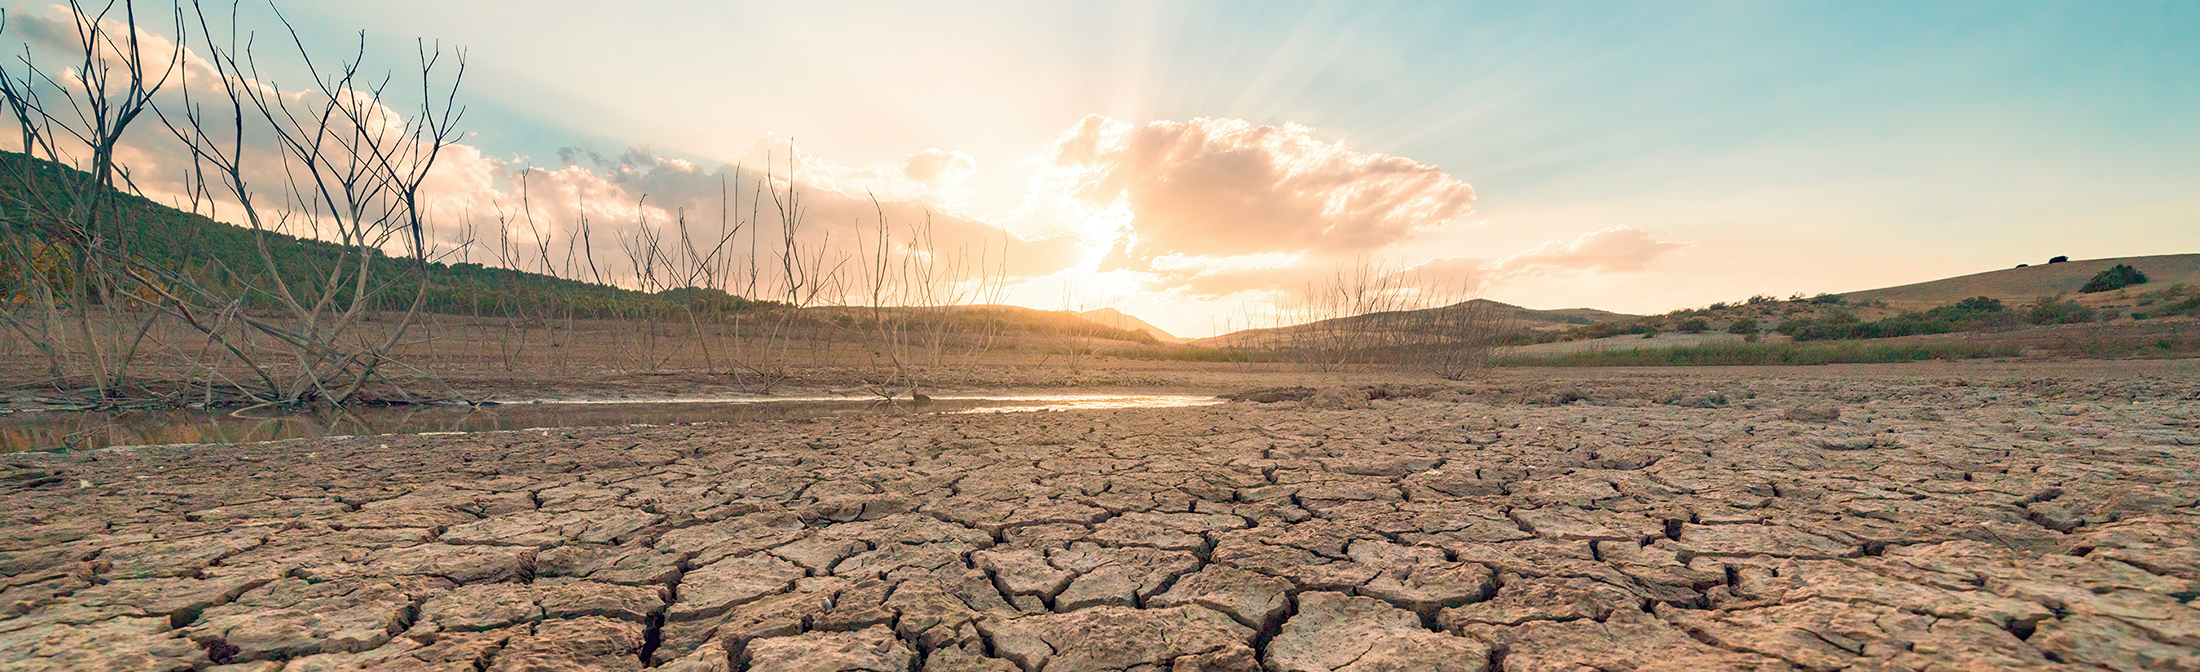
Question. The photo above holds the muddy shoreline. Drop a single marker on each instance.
(1921, 516)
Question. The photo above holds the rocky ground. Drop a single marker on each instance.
(1766, 520)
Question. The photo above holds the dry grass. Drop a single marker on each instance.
(1774, 354)
(2022, 285)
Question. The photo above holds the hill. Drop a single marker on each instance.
(1559, 318)
(978, 319)
(1120, 320)
(1504, 316)
(2025, 284)
(227, 256)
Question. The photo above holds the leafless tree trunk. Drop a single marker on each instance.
(346, 161)
(71, 220)
(340, 160)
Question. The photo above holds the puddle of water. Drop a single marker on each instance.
(94, 430)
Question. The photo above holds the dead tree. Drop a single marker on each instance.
(332, 160)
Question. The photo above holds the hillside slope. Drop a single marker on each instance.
(1506, 316)
(1120, 320)
(225, 255)
(978, 319)
(2024, 284)
(220, 254)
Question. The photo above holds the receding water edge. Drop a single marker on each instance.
(91, 430)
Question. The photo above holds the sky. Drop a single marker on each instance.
(1196, 163)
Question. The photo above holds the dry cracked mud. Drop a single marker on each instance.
(1663, 522)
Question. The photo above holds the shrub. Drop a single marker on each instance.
(1970, 314)
(2060, 312)
(2116, 277)
(1837, 325)
(1977, 304)
(1742, 326)
(2188, 306)
(2058, 259)
(1773, 354)
(1695, 325)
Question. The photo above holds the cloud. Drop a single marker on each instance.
(189, 98)
(63, 30)
(634, 218)
(640, 219)
(1214, 208)
(938, 168)
(1195, 210)
(1464, 273)
(1619, 249)
(1228, 187)
(933, 176)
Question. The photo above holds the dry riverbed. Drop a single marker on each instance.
(1921, 517)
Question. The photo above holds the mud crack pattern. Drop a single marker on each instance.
(1659, 523)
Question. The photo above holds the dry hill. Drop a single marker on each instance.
(1001, 319)
(2021, 285)
(1505, 316)
(1120, 320)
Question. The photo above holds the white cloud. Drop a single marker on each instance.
(939, 169)
(933, 176)
(1227, 187)
(1619, 249)
(709, 226)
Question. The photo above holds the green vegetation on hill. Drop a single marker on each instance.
(1741, 317)
(1970, 314)
(2115, 278)
(1828, 317)
(226, 258)
(2024, 284)
(2173, 301)
(1771, 354)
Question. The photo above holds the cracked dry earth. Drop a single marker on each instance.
(1663, 524)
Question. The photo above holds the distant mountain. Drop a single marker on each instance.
(2036, 280)
(1509, 318)
(1120, 320)
(1566, 316)
(996, 318)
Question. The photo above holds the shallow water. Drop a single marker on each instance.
(56, 430)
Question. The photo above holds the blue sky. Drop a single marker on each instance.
(1746, 147)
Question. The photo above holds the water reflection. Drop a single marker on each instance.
(92, 430)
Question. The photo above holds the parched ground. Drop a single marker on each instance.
(1929, 517)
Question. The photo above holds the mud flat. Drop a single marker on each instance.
(1958, 518)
